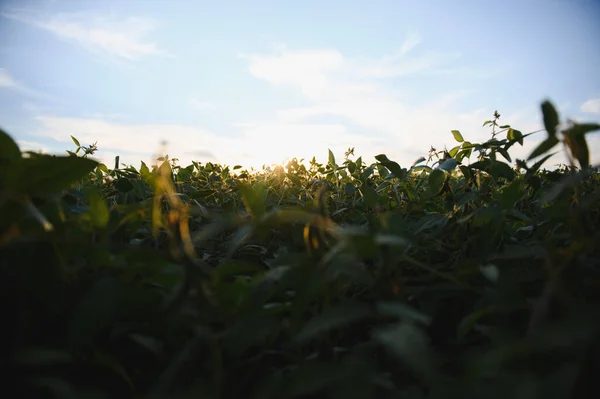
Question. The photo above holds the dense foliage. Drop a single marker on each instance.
(459, 277)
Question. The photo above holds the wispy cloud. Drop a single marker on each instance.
(33, 146)
(259, 144)
(376, 111)
(411, 42)
(124, 39)
(136, 142)
(347, 102)
(352, 89)
(591, 106)
(7, 81)
(200, 105)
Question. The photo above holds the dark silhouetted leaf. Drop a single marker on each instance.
(550, 116)
(391, 165)
(50, 173)
(544, 147)
(123, 185)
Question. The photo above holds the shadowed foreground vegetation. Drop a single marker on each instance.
(466, 275)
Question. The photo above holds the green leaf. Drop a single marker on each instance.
(349, 189)
(75, 141)
(10, 155)
(351, 166)
(418, 161)
(232, 268)
(544, 147)
(47, 174)
(331, 159)
(392, 166)
(403, 311)
(539, 163)
(584, 128)
(454, 151)
(505, 154)
(575, 140)
(123, 185)
(550, 118)
(449, 164)
(465, 171)
(236, 167)
(295, 179)
(144, 170)
(515, 135)
(511, 194)
(36, 357)
(486, 123)
(409, 343)
(579, 148)
(490, 272)
(469, 322)
(96, 311)
(9, 150)
(457, 136)
(310, 378)
(98, 210)
(254, 198)
(334, 317)
(495, 168)
(369, 196)
(436, 181)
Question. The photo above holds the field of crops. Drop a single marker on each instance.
(468, 274)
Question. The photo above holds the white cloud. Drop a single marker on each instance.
(591, 106)
(121, 39)
(200, 105)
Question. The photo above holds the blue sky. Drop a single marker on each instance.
(253, 82)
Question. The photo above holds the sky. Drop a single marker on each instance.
(259, 82)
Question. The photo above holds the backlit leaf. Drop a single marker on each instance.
(75, 141)
(98, 210)
(457, 136)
